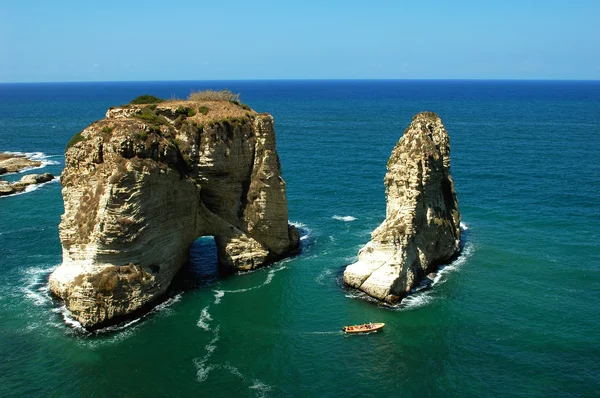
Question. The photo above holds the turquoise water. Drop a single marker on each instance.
(515, 315)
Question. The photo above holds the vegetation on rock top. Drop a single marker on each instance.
(146, 99)
(213, 95)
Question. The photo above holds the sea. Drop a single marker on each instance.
(516, 314)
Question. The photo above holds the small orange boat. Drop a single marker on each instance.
(364, 328)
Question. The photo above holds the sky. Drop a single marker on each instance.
(64, 41)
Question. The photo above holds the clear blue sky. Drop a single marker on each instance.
(229, 39)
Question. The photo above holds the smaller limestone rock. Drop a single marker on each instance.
(35, 179)
(422, 225)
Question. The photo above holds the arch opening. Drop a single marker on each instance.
(202, 268)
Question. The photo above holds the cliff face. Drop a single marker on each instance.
(422, 225)
(141, 185)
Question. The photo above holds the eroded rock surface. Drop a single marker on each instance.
(141, 185)
(422, 225)
(12, 163)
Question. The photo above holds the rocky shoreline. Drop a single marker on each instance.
(15, 163)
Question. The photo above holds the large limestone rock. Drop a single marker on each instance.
(141, 185)
(422, 225)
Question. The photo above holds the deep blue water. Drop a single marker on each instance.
(516, 315)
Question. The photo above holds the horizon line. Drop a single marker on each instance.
(308, 80)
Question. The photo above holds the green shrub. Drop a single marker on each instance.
(148, 115)
(203, 110)
(107, 130)
(146, 99)
(75, 139)
(245, 107)
(179, 121)
(191, 112)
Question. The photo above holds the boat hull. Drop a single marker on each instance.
(364, 328)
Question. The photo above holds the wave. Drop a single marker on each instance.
(36, 287)
(165, 306)
(422, 295)
(464, 226)
(344, 218)
(466, 253)
(68, 319)
(305, 232)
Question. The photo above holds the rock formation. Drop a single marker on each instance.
(141, 185)
(422, 225)
(12, 163)
(7, 188)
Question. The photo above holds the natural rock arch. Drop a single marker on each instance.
(141, 185)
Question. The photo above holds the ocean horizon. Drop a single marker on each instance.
(515, 314)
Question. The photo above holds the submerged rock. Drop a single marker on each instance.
(141, 185)
(422, 225)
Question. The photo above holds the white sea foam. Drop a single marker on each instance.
(218, 295)
(463, 226)
(467, 252)
(261, 388)
(204, 319)
(324, 333)
(324, 275)
(164, 308)
(68, 319)
(202, 369)
(415, 300)
(421, 295)
(36, 285)
(233, 370)
(344, 218)
(305, 232)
